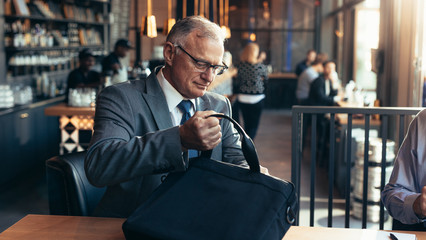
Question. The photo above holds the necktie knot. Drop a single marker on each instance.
(185, 106)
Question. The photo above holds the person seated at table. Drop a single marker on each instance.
(310, 58)
(324, 92)
(84, 76)
(141, 131)
(404, 196)
(307, 77)
(325, 88)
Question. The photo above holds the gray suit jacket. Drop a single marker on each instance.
(135, 144)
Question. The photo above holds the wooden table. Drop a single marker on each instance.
(42, 227)
(323, 233)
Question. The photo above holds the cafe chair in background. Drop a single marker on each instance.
(70, 193)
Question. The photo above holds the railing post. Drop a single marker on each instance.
(296, 153)
(331, 170)
(313, 167)
(348, 170)
(383, 167)
(365, 173)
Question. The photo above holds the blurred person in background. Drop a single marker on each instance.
(84, 76)
(324, 91)
(325, 88)
(112, 66)
(308, 76)
(310, 58)
(250, 83)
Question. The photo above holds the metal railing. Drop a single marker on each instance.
(399, 116)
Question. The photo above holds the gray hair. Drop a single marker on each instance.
(204, 28)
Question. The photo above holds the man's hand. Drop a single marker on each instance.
(419, 205)
(200, 133)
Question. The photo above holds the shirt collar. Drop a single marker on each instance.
(173, 97)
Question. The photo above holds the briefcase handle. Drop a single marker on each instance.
(247, 145)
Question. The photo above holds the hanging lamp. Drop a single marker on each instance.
(148, 23)
(223, 18)
(206, 9)
(195, 7)
(228, 30)
(202, 8)
(184, 9)
(168, 24)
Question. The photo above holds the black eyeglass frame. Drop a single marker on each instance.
(201, 64)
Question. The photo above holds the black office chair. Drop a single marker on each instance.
(70, 193)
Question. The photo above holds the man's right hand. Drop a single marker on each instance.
(200, 132)
(419, 205)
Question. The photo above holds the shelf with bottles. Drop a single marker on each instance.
(51, 60)
(54, 48)
(24, 34)
(43, 19)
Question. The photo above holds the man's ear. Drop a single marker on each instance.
(169, 52)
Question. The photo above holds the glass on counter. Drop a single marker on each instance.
(82, 97)
(22, 94)
(6, 97)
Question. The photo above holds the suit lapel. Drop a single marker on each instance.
(202, 104)
(157, 103)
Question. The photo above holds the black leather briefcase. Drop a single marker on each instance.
(217, 200)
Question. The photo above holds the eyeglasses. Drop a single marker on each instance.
(202, 66)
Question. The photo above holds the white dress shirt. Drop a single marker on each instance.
(173, 98)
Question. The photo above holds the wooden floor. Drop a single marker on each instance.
(273, 142)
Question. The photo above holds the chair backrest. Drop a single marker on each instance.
(70, 193)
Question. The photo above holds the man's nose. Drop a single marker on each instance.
(209, 74)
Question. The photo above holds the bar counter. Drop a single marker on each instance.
(63, 109)
(75, 124)
(35, 104)
(281, 91)
(28, 138)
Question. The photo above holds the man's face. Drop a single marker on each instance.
(311, 56)
(185, 77)
(329, 68)
(87, 63)
(122, 51)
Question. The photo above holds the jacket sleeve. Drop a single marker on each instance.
(408, 175)
(317, 93)
(118, 153)
(231, 144)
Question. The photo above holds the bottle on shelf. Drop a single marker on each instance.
(8, 35)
